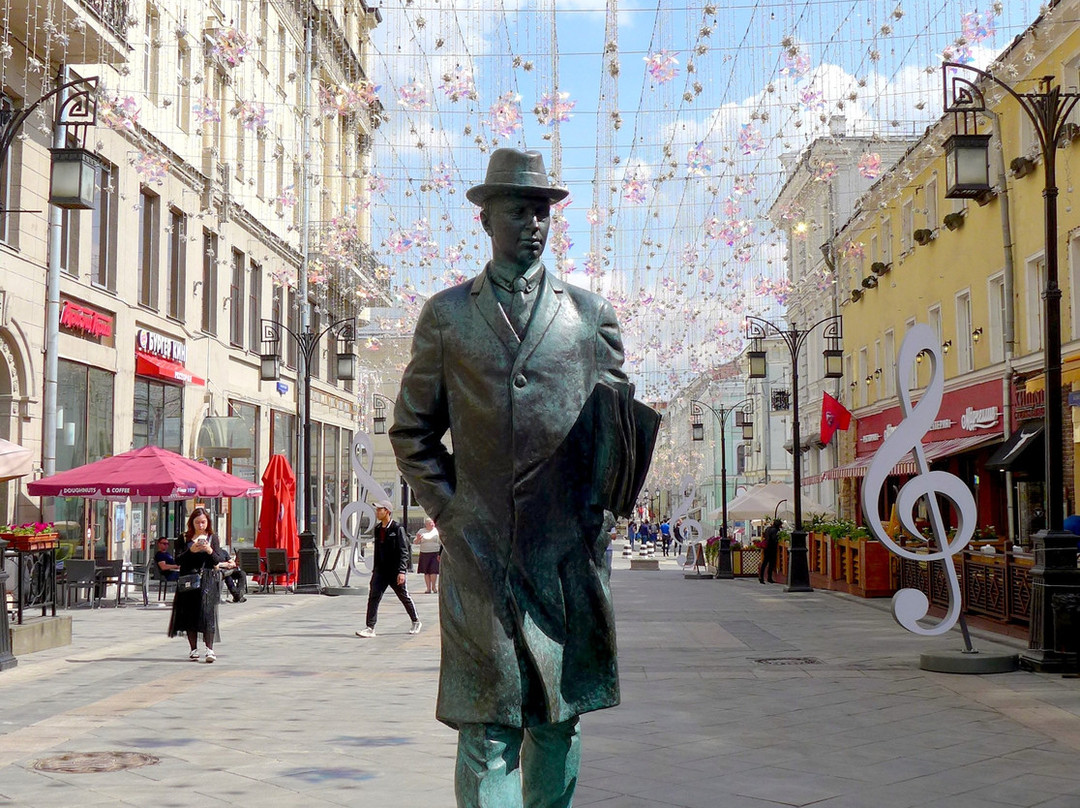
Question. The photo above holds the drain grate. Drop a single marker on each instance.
(93, 762)
(789, 660)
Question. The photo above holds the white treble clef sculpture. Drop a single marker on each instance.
(361, 446)
(911, 605)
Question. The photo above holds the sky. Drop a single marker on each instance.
(666, 121)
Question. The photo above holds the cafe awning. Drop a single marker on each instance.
(147, 364)
(1017, 447)
(15, 460)
(935, 450)
(1070, 372)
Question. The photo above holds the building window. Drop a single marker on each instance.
(293, 315)
(10, 180)
(913, 371)
(183, 96)
(237, 299)
(158, 415)
(103, 230)
(244, 463)
(264, 30)
(933, 317)
(283, 435)
(69, 241)
(781, 400)
(907, 225)
(886, 241)
(329, 521)
(931, 205)
(1036, 283)
(996, 307)
(209, 282)
(254, 306)
(260, 172)
(965, 361)
(177, 279)
(888, 367)
(151, 49)
(874, 371)
(864, 373)
(149, 222)
(316, 355)
(283, 41)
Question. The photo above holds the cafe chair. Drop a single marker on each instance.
(79, 575)
(110, 573)
(277, 564)
(247, 558)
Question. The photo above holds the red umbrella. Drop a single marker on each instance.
(277, 517)
(150, 473)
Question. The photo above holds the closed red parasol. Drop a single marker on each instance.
(277, 517)
(150, 473)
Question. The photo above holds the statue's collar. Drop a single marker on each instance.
(505, 280)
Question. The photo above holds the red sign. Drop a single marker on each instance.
(974, 410)
(1027, 406)
(86, 320)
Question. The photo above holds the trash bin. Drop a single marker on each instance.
(724, 568)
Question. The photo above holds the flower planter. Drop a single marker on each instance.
(862, 567)
(32, 543)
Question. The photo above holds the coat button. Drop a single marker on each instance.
(519, 380)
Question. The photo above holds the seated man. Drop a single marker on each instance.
(234, 577)
(168, 569)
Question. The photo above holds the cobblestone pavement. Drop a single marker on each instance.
(735, 695)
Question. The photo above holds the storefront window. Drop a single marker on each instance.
(346, 479)
(244, 463)
(330, 485)
(283, 436)
(159, 415)
(84, 433)
(315, 453)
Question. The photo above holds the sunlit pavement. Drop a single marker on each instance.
(734, 695)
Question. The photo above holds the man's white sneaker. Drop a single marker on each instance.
(415, 627)
(366, 632)
(210, 655)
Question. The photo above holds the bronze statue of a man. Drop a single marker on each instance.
(507, 362)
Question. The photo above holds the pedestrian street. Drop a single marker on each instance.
(734, 694)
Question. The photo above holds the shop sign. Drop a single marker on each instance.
(158, 345)
(86, 320)
(973, 420)
(1028, 406)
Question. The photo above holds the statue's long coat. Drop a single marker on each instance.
(524, 595)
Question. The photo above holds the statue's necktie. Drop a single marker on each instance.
(518, 315)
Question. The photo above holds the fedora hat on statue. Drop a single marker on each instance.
(511, 171)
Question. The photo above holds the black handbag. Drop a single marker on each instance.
(186, 583)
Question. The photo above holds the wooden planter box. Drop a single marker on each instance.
(29, 544)
(862, 567)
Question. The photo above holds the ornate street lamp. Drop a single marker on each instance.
(269, 366)
(1054, 572)
(698, 433)
(794, 338)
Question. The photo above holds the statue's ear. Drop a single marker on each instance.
(484, 221)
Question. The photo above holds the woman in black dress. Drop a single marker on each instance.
(194, 611)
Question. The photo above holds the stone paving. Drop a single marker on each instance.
(735, 695)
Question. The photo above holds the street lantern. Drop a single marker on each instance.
(967, 167)
(269, 367)
(346, 365)
(747, 430)
(757, 363)
(834, 363)
(74, 178)
(379, 423)
(697, 431)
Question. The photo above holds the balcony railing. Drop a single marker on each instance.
(113, 14)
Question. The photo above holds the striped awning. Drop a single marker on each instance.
(935, 450)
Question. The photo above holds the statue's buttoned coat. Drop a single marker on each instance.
(525, 608)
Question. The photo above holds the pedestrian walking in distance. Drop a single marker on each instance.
(388, 570)
(768, 552)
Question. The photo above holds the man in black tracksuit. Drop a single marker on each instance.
(390, 564)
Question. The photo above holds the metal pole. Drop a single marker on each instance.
(798, 563)
(7, 658)
(52, 308)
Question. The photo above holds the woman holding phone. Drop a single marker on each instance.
(195, 604)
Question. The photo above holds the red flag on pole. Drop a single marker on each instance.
(834, 416)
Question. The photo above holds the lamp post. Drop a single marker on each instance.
(967, 173)
(697, 432)
(308, 341)
(794, 338)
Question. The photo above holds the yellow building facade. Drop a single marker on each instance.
(975, 272)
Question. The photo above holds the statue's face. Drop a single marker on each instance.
(518, 226)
